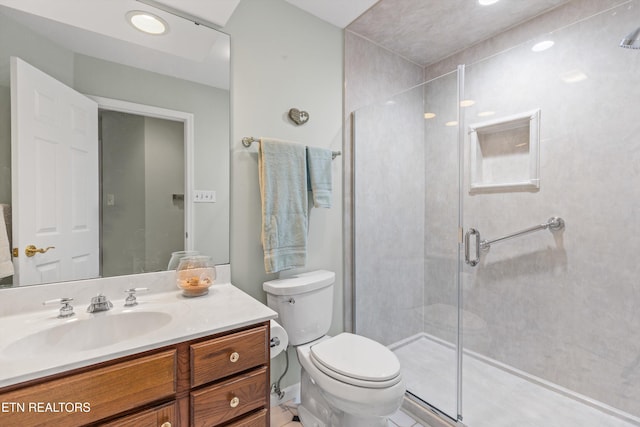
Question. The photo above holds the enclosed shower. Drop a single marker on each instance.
(495, 224)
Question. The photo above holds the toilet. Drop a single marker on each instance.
(347, 380)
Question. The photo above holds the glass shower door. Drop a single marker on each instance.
(406, 221)
(550, 316)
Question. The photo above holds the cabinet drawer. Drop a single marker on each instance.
(259, 419)
(229, 399)
(224, 356)
(93, 395)
(163, 416)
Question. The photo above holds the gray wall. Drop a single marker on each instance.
(123, 175)
(389, 196)
(283, 57)
(164, 170)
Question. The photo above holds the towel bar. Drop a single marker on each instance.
(248, 140)
(554, 223)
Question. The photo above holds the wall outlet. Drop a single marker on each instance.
(204, 196)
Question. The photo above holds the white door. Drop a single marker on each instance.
(54, 172)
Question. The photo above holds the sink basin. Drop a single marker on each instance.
(88, 334)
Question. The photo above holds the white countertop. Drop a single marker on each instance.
(224, 308)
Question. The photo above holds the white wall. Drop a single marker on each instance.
(283, 57)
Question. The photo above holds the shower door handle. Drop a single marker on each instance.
(467, 247)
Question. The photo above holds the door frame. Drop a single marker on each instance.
(187, 119)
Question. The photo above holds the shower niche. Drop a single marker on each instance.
(504, 154)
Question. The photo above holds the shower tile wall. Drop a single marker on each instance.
(388, 221)
(563, 307)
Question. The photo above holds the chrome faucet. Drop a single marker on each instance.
(66, 310)
(99, 303)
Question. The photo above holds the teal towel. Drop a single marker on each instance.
(319, 166)
(283, 190)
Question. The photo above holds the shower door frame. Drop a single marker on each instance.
(424, 409)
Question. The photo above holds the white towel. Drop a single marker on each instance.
(282, 171)
(6, 265)
(319, 166)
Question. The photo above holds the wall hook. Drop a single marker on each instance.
(299, 117)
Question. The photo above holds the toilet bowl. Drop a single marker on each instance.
(346, 380)
(358, 377)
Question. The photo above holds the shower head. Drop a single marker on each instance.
(632, 41)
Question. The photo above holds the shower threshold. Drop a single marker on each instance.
(496, 395)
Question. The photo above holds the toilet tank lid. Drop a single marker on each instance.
(301, 283)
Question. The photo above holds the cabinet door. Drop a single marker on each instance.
(258, 419)
(229, 399)
(227, 355)
(163, 416)
(96, 394)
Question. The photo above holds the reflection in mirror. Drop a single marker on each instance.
(145, 199)
(187, 72)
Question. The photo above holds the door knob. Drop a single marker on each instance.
(31, 250)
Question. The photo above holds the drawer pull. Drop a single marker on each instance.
(234, 357)
(166, 424)
(234, 402)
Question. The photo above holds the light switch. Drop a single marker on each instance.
(204, 196)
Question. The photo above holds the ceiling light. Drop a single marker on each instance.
(452, 123)
(487, 2)
(147, 22)
(429, 115)
(539, 47)
(467, 103)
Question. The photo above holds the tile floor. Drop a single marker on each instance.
(282, 416)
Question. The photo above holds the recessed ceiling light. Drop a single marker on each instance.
(467, 103)
(486, 113)
(452, 123)
(147, 22)
(429, 115)
(539, 47)
(487, 2)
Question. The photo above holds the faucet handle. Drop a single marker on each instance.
(66, 310)
(130, 301)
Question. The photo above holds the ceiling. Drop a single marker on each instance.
(99, 28)
(337, 12)
(423, 31)
(427, 31)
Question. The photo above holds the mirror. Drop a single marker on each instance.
(129, 73)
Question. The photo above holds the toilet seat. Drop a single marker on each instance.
(356, 360)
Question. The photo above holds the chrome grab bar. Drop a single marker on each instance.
(553, 224)
(472, 232)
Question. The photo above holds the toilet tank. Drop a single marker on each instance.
(304, 304)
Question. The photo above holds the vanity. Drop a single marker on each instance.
(168, 361)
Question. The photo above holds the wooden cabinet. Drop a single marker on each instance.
(220, 380)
